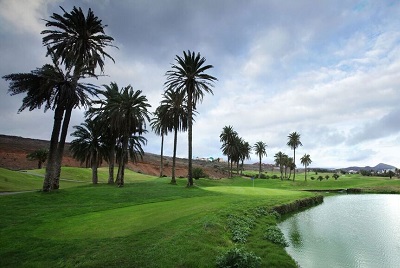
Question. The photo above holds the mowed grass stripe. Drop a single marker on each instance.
(124, 221)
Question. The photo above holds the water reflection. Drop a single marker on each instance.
(294, 234)
(346, 231)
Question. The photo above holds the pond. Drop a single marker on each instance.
(346, 231)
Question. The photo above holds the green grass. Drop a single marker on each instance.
(146, 223)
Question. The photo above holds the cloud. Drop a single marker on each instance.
(327, 69)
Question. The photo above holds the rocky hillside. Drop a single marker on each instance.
(13, 151)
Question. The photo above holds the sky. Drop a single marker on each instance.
(329, 70)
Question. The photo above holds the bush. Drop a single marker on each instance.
(240, 227)
(327, 177)
(312, 178)
(320, 178)
(274, 177)
(198, 173)
(262, 176)
(267, 177)
(238, 257)
(335, 176)
(275, 235)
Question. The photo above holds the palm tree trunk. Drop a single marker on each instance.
(173, 179)
(60, 149)
(190, 129)
(162, 156)
(305, 172)
(259, 169)
(50, 167)
(241, 170)
(123, 158)
(294, 161)
(94, 173)
(111, 163)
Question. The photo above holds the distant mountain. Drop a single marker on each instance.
(379, 167)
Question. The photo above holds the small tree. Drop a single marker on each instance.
(335, 176)
(39, 155)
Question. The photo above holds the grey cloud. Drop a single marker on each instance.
(377, 128)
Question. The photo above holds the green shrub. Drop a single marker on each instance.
(312, 178)
(275, 214)
(267, 177)
(198, 173)
(327, 177)
(262, 176)
(275, 235)
(240, 227)
(274, 177)
(320, 178)
(238, 257)
(335, 176)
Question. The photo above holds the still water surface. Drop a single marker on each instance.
(346, 231)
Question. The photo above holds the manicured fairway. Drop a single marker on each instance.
(146, 223)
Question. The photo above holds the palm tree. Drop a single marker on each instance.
(294, 142)
(157, 125)
(279, 158)
(306, 161)
(228, 138)
(78, 41)
(291, 166)
(188, 75)
(98, 113)
(127, 112)
(88, 147)
(174, 113)
(50, 87)
(39, 155)
(260, 150)
(245, 150)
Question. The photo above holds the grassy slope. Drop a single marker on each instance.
(147, 223)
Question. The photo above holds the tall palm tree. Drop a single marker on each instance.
(306, 161)
(88, 147)
(78, 41)
(127, 112)
(50, 87)
(228, 137)
(159, 129)
(260, 150)
(294, 142)
(174, 113)
(188, 75)
(39, 155)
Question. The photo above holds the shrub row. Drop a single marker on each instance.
(299, 204)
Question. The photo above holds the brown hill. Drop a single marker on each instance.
(13, 151)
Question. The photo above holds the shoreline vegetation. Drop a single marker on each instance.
(156, 223)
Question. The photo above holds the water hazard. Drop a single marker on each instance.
(346, 231)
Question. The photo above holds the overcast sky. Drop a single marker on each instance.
(329, 70)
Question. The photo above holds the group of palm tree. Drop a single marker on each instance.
(76, 45)
(112, 130)
(234, 147)
(237, 150)
(115, 122)
(186, 84)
